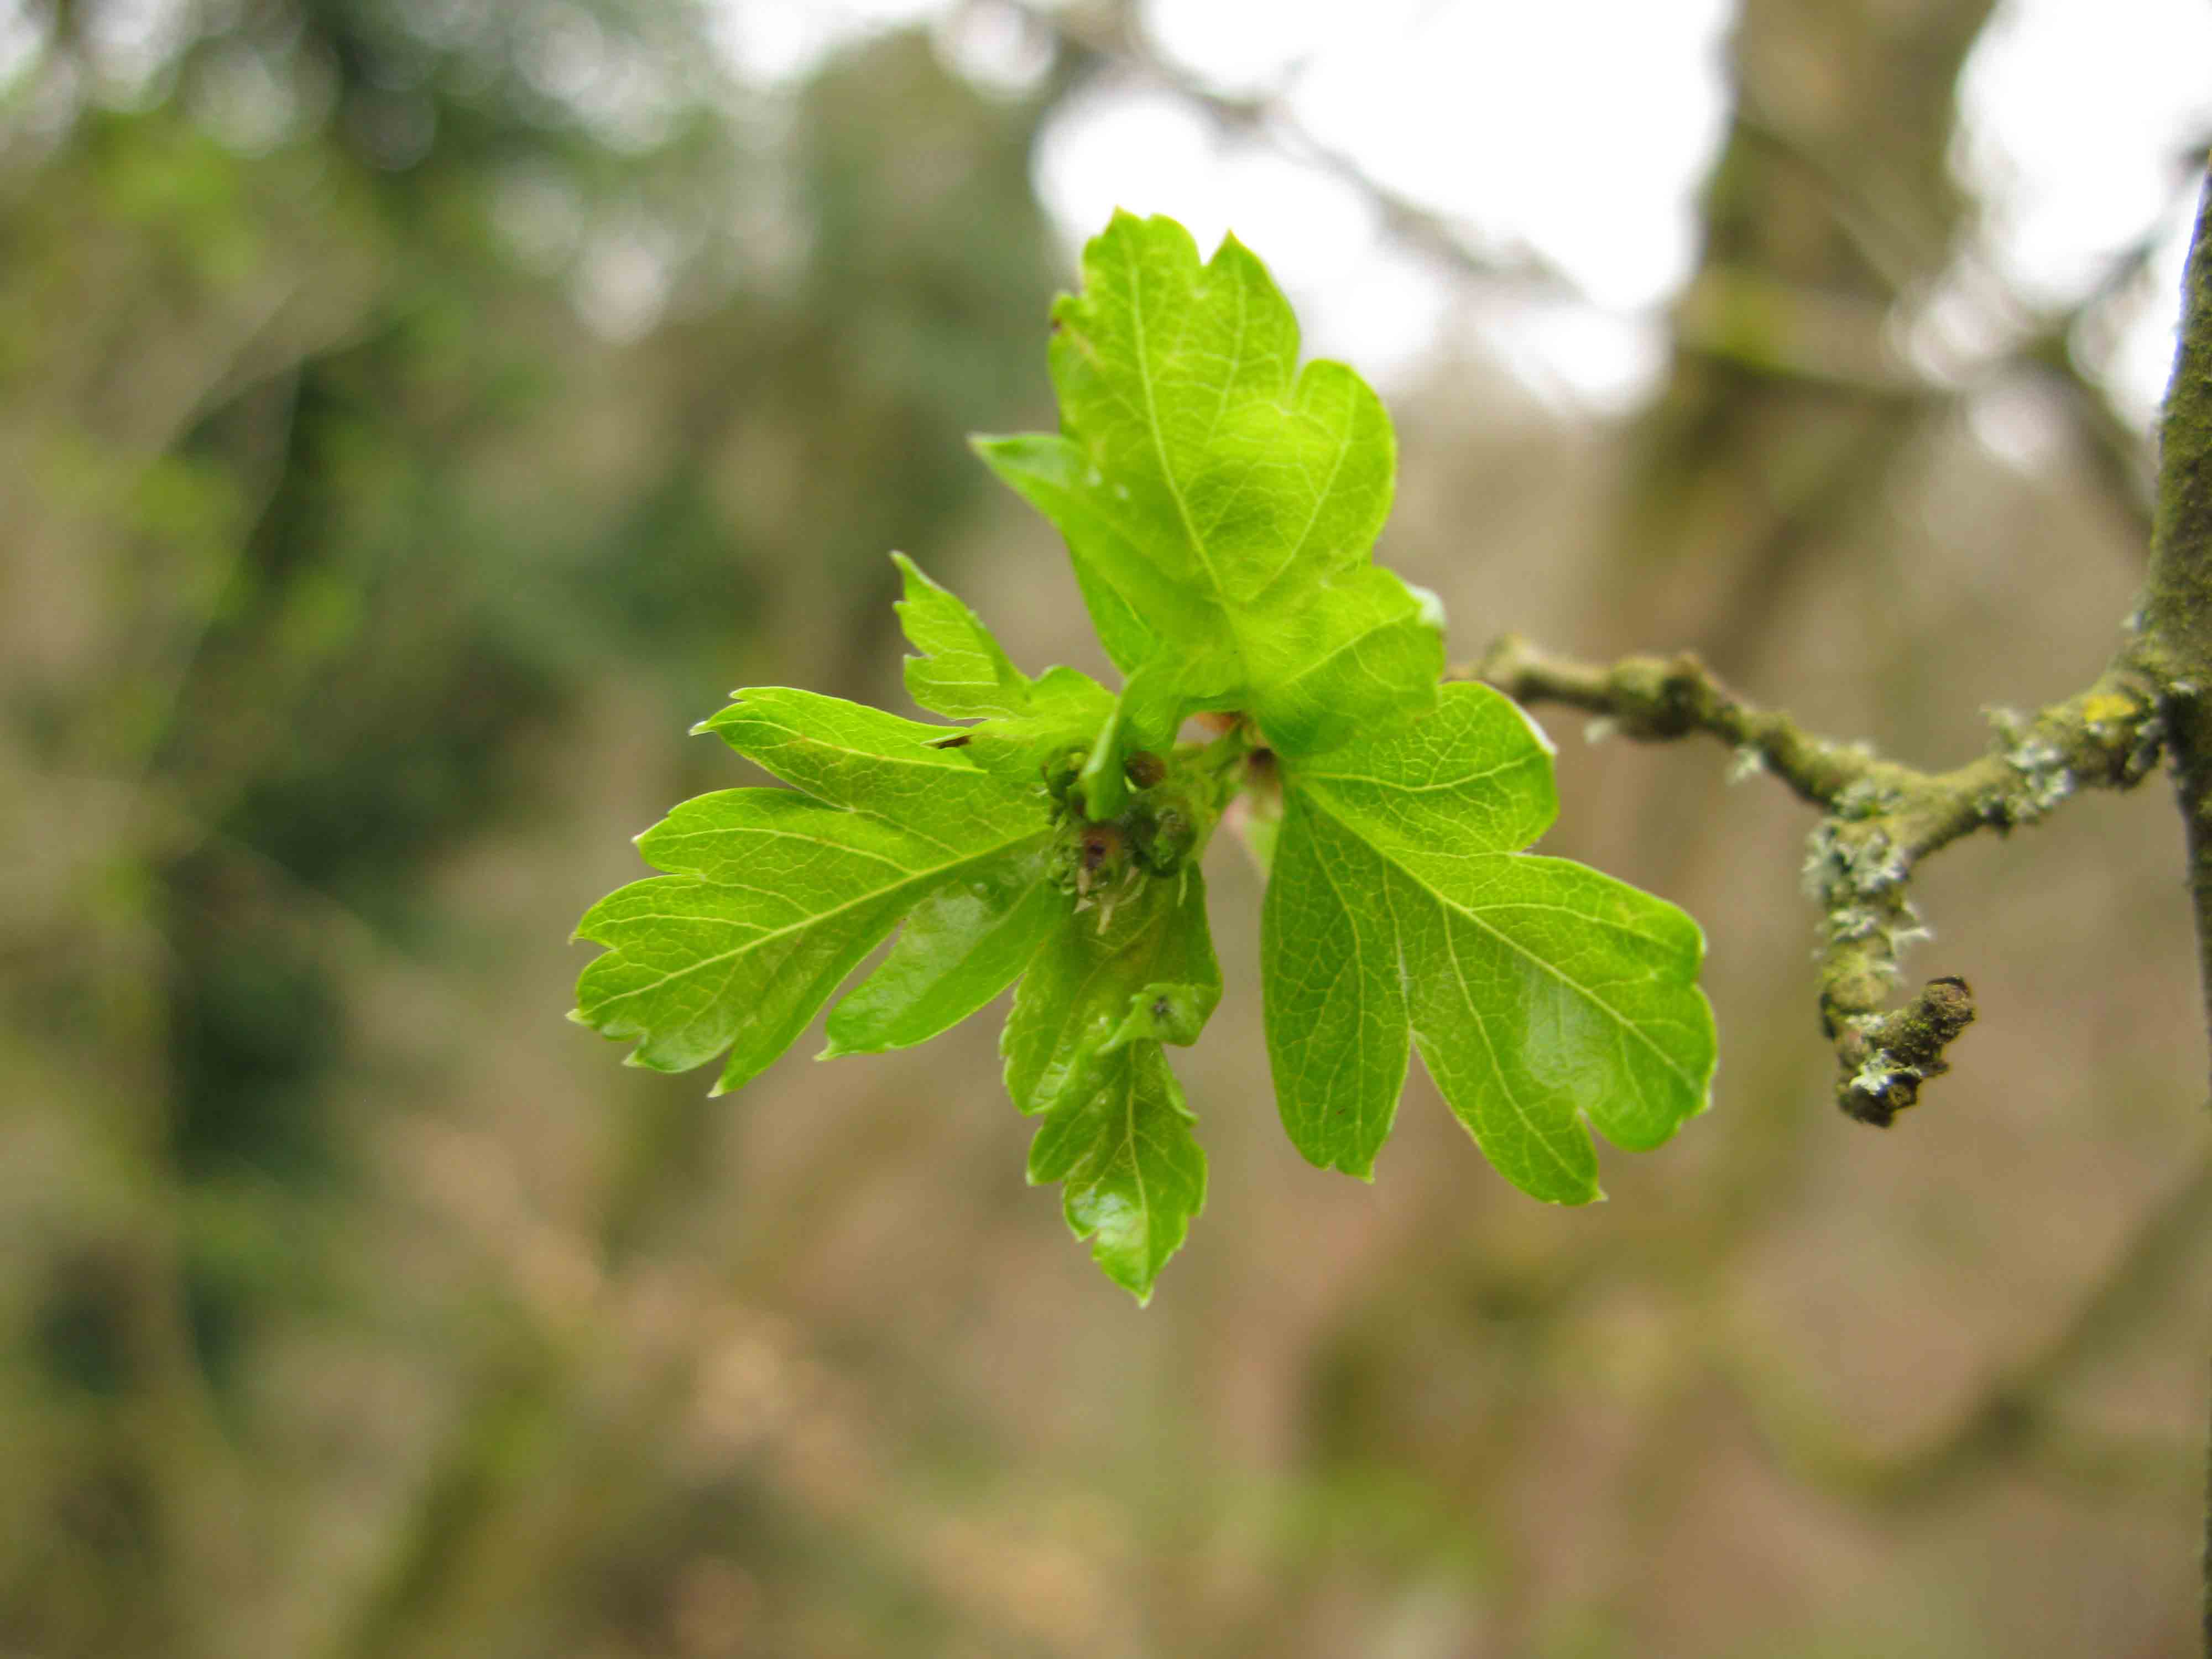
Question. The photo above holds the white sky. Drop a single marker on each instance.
(1575, 128)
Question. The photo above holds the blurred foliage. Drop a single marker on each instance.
(330, 512)
(414, 414)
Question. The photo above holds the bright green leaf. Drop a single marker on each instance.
(1220, 505)
(772, 897)
(962, 673)
(1540, 993)
(1134, 1173)
(961, 946)
(1138, 966)
(1116, 981)
(848, 755)
(1051, 474)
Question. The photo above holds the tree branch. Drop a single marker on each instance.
(1880, 820)
(2176, 630)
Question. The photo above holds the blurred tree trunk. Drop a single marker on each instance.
(1786, 407)
(1831, 201)
(1782, 414)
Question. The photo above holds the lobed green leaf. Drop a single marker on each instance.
(962, 673)
(1134, 1174)
(1142, 971)
(772, 897)
(1538, 992)
(1220, 505)
(960, 946)
(1082, 1046)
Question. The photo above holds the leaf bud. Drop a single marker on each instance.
(1164, 838)
(1061, 771)
(1144, 768)
(1101, 856)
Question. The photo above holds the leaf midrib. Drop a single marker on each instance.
(1230, 609)
(814, 919)
(1159, 436)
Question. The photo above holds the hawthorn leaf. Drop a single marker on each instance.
(1142, 971)
(1220, 504)
(771, 897)
(1400, 914)
(1134, 1174)
(1051, 475)
(864, 759)
(960, 946)
(1082, 1046)
(962, 673)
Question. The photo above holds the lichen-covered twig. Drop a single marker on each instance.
(1880, 820)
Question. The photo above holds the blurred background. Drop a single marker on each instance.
(414, 414)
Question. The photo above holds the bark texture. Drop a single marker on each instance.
(2175, 646)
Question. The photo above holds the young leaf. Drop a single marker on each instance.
(771, 896)
(1538, 992)
(1135, 1176)
(964, 674)
(1220, 506)
(961, 946)
(1083, 1049)
(1143, 971)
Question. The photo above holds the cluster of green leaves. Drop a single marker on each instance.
(1221, 508)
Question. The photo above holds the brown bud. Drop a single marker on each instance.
(1100, 856)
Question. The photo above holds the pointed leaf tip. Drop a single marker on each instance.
(1221, 504)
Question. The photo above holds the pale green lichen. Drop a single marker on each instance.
(1881, 1072)
(1865, 798)
(1847, 862)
